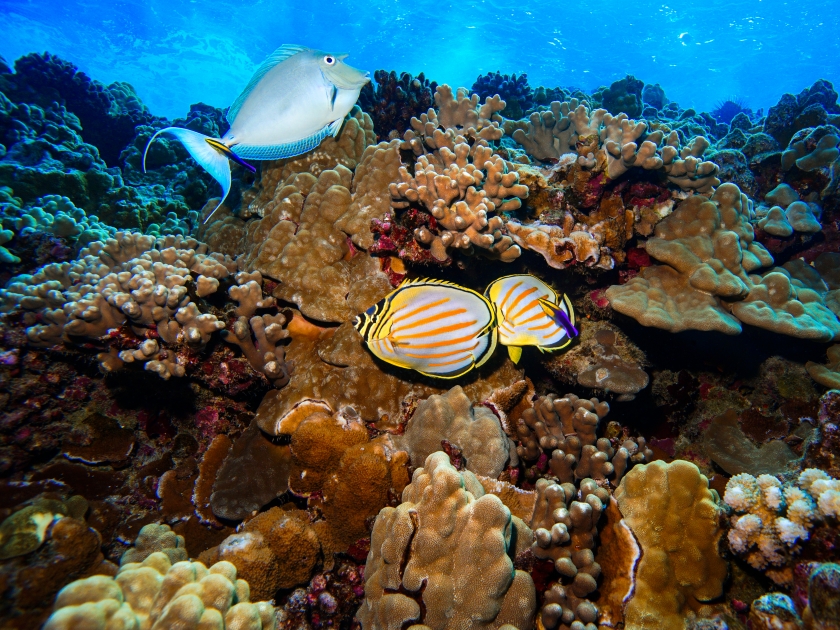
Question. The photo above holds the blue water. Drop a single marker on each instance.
(177, 52)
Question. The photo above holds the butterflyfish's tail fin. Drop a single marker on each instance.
(559, 317)
(211, 154)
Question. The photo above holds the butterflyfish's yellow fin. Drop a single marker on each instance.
(515, 353)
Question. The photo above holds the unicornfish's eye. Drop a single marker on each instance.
(329, 60)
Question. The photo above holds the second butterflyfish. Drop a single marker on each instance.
(296, 98)
(530, 313)
(437, 328)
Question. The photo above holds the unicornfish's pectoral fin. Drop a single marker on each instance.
(335, 127)
(205, 153)
(515, 353)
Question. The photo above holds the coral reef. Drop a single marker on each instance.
(513, 90)
(277, 549)
(605, 359)
(828, 374)
(199, 389)
(451, 418)
(396, 100)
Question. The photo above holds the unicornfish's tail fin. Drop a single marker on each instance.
(207, 152)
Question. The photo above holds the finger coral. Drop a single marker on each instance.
(460, 186)
(131, 278)
(565, 524)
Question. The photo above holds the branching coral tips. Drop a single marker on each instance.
(530, 313)
(295, 99)
(432, 326)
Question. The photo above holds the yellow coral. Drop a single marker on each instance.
(674, 518)
(156, 594)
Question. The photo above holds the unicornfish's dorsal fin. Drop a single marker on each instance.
(281, 54)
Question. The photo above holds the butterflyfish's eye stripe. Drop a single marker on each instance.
(432, 318)
(437, 331)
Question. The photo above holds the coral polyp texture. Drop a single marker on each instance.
(194, 433)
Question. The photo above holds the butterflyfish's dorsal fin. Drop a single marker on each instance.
(290, 149)
(515, 353)
(281, 54)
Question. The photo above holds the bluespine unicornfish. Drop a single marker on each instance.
(434, 327)
(295, 99)
(530, 313)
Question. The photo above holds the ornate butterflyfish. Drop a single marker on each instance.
(295, 99)
(434, 327)
(530, 313)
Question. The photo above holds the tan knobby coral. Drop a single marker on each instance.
(158, 594)
(475, 430)
(446, 545)
(674, 518)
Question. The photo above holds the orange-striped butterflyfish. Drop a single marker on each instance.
(530, 313)
(434, 327)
